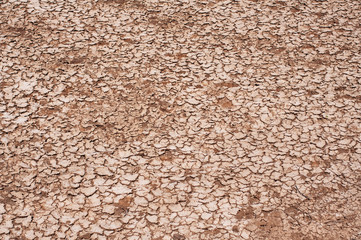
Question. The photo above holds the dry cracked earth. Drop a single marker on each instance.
(182, 119)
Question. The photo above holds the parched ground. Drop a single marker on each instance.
(182, 119)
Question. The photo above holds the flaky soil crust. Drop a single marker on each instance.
(180, 120)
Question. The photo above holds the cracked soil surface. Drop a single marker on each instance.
(180, 119)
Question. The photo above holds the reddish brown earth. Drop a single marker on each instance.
(175, 120)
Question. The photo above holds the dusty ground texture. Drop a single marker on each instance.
(180, 120)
